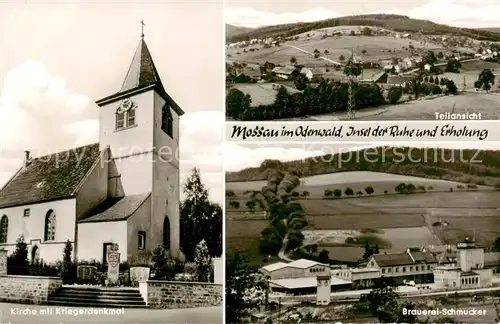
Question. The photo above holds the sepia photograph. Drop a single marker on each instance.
(387, 233)
(379, 60)
(111, 170)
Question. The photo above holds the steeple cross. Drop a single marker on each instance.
(142, 28)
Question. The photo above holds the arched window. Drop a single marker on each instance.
(166, 233)
(50, 226)
(4, 229)
(35, 254)
(125, 114)
(167, 121)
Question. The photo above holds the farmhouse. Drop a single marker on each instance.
(116, 191)
(360, 278)
(413, 264)
(311, 74)
(468, 272)
(300, 277)
(285, 72)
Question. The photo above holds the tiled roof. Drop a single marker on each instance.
(303, 264)
(403, 258)
(114, 209)
(50, 177)
(142, 74)
(305, 282)
(274, 266)
(468, 273)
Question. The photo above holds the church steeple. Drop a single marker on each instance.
(141, 76)
(142, 71)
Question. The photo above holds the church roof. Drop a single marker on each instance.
(142, 75)
(49, 177)
(115, 209)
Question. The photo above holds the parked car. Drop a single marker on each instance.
(409, 283)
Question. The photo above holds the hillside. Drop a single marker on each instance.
(480, 167)
(393, 22)
(232, 31)
(492, 29)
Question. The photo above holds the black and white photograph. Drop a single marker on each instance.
(375, 60)
(363, 233)
(111, 168)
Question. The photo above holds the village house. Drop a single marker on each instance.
(285, 72)
(122, 190)
(311, 74)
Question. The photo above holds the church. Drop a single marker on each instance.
(124, 190)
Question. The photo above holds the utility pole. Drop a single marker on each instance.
(279, 309)
(351, 98)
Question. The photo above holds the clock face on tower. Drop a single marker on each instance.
(126, 105)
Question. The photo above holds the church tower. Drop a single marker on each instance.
(140, 125)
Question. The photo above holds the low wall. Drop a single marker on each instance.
(179, 294)
(28, 289)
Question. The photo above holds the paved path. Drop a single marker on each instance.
(310, 53)
(209, 315)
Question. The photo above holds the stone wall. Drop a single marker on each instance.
(25, 289)
(177, 294)
(28, 289)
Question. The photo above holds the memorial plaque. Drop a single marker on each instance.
(113, 267)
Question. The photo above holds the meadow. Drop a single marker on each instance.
(392, 221)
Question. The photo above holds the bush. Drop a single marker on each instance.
(395, 93)
(328, 193)
(369, 190)
(348, 191)
(270, 241)
(359, 193)
(17, 262)
(337, 193)
(230, 193)
(234, 204)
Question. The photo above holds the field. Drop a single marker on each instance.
(393, 221)
(368, 48)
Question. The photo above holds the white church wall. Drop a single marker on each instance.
(140, 221)
(166, 180)
(94, 189)
(32, 227)
(131, 147)
(92, 236)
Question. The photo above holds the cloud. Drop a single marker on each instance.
(248, 17)
(39, 113)
(464, 13)
(201, 136)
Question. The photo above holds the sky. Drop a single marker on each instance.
(58, 58)
(240, 156)
(462, 13)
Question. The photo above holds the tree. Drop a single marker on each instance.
(368, 251)
(18, 261)
(237, 102)
(199, 218)
(67, 267)
(337, 193)
(430, 58)
(353, 68)
(163, 267)
(341, 58)
(394, 94)
(324, 257)
(451, 87)
(271, 241)
(295, 240)
(496, 245)
(369, 190)
(348, 191)
(203, 262)
(241, 282)
(293, 60)
(453, 65)
(300, 82)
(367, 31)
(383, 304)
(485, 80)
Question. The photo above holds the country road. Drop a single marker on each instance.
(312, 54)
